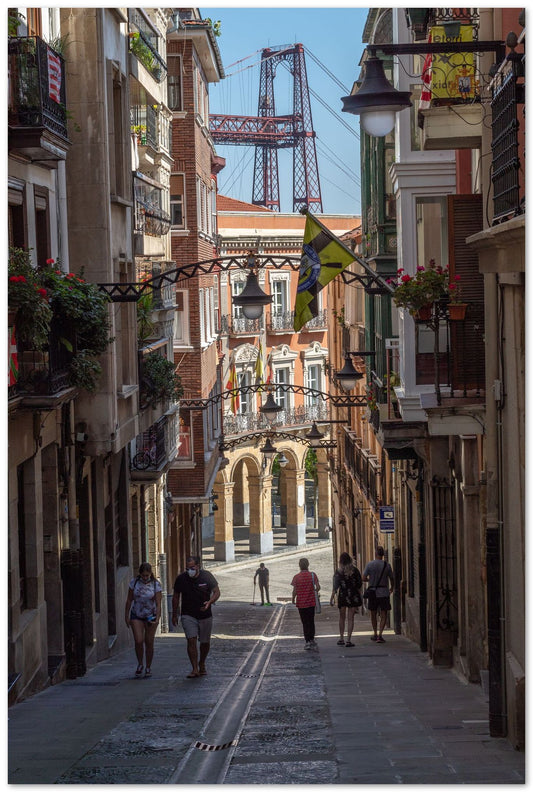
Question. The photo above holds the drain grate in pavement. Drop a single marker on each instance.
(248, 676)
(206, 747)
(364, 656)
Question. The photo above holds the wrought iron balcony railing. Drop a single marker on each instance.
(36, 86)
(281, 321)
(143, 44)
(150, 451)
(318, 322)
(41, 373)
(252, 421)
(507, 97)
(239, 325)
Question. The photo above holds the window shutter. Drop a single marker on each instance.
(465, 217)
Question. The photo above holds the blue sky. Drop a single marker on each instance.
(333, 36)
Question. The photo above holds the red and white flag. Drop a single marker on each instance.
(54, 77)
(425, 96)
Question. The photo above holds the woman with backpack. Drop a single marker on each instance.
(347, 584)
(143, 611)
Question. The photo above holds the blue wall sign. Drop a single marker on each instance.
(386, 519)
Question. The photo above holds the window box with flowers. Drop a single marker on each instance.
(49, 302)
(417, 293)
(420, 292)
(456, 308)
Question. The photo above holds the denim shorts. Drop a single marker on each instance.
(197, 628)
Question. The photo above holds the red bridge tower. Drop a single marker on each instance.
(268, 132)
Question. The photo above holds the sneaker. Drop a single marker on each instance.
(349, 643)
(148, 673)
(139, 671)
(307, 645)
(379, 639)
(314, 643)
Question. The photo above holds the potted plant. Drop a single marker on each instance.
(456, 307)
(82, 308)
(159, 381)
(29, 311)
(418, 293)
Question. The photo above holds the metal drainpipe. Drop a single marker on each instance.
(422, 579)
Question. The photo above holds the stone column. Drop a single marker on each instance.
(224, 542)
(324, 501)
(261, 535)
(295, 506)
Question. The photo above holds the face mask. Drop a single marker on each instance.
(191, 572)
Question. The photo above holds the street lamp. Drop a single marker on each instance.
(252, 298)
(270, 408)
(282, 459)
(377, 101)
(314, 436)
(268, 449)
(348, 376)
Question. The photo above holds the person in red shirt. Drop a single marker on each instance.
(303, 594)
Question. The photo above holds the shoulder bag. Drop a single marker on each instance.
(318, 606)
(370, 593)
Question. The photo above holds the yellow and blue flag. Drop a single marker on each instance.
(323, 258)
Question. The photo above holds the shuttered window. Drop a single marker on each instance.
(465, 217)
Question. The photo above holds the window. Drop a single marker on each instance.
(117, 134)
(42, 225)
(282, 376)
(314, 381)
(213, 196)
(246, 399)
(16, 223)
(181, 324)
(201, 306)
(175, 98)
(207, 314)
(279, 297)
(200, 95)
(432, 230)
(236, 288)
(177, 192)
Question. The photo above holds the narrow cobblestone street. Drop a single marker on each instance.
(268, 711)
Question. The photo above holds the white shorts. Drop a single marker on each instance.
(197, 628)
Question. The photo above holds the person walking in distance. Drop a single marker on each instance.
(347, 584)
(263, 574)
(378, 573)
(304, 585)
(143, 611)
(198, 590)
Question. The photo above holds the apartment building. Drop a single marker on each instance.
(254, 493)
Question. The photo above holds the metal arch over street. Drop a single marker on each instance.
(371, 281)
(336, 401)
(228, 445)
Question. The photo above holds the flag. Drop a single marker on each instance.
(425, 96)
(259, 371)
(270, 375)
(323, 258)
(54, 77)
(13, 358)
(232, 385)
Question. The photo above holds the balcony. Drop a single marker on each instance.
(153, 450)
(239, 325)
(507, 106)
(151, 128)
(143, 44)
(41, 375)
(282, 322)
(37, 113)
(150, 218)
(291, 418)
(318, 322)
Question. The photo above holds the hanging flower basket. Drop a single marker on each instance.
(457, 311)
(424, 313)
